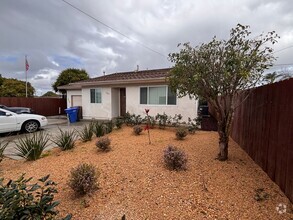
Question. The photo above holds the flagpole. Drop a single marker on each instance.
(26, 76)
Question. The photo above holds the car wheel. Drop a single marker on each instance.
(31, 126)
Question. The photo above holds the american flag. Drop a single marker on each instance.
(26, 65)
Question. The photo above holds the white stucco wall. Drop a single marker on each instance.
(70, 93)
(97, 110)
(185, 106)
(110, 106)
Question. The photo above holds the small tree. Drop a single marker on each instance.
(50, 94)
(15, 88)
(67, 76)
(218, 70)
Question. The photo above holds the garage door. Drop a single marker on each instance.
(76, 100)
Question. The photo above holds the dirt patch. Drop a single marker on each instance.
(135, 182)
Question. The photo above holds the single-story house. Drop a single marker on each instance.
(113, 95)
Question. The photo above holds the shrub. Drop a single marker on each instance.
(162, 119)
(86, 133)
(181, 133)
(103, 144)
(175, 158)
(3, 146)
(118, 122)
(151, 120)
(132, 119)
(108, 127)
(127, 118)
(32, 146)
(137, 129)
(83, 179)
(176, 120)
(193, 124)
(20, 200)
(65, 140)
(98, 129)
(261, 195)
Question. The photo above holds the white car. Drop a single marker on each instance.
(10, 121)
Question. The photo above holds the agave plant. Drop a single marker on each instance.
(3, 145)
(98, 129)
(32, 146)
(108, 126)
(86, 132)
(65, 140)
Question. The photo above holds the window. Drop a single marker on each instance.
(159, 95)
(96, 95)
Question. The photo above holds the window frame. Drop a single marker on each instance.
(148, 92)
(95, 98)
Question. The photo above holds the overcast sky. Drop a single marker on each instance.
(56, 36)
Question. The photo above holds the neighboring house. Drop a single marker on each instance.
(113, 95)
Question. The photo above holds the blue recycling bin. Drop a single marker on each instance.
(72, 114)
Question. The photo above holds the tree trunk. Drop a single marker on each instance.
(223, 141)
(223, 145)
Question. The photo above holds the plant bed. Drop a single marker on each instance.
(135, 181)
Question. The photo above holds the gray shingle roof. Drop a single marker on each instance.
(143, 74)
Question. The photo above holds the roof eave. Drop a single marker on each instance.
(75, 86)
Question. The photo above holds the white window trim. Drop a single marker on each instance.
(156, 105)
(95, 103)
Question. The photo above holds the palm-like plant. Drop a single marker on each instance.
(86, 133)
(65, 140)
(98, 129)
(32, 146)
(3, 146)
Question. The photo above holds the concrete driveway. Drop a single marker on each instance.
(54, 122)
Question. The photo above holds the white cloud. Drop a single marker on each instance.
(45, 31)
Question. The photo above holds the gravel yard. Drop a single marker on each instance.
(135, 182)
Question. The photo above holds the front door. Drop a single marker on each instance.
(122, 101)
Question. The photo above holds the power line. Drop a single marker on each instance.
(283, 49)
(113, 29)
(285, 64)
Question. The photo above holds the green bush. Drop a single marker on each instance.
(176, 120)
(98, 129)
(65, 140)
(132, 119)
(137, 129)
(162, 120)
(108, 127)
(3, 146)
(193, 124)
(32, 146)
(181, 133)
(86, 133)
(118, 122)
(175, 158)
(21, 200)
(83, 179)
(103, 143)
(152, 121)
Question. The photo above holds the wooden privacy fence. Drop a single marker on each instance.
(42, 106)
(263, 127)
